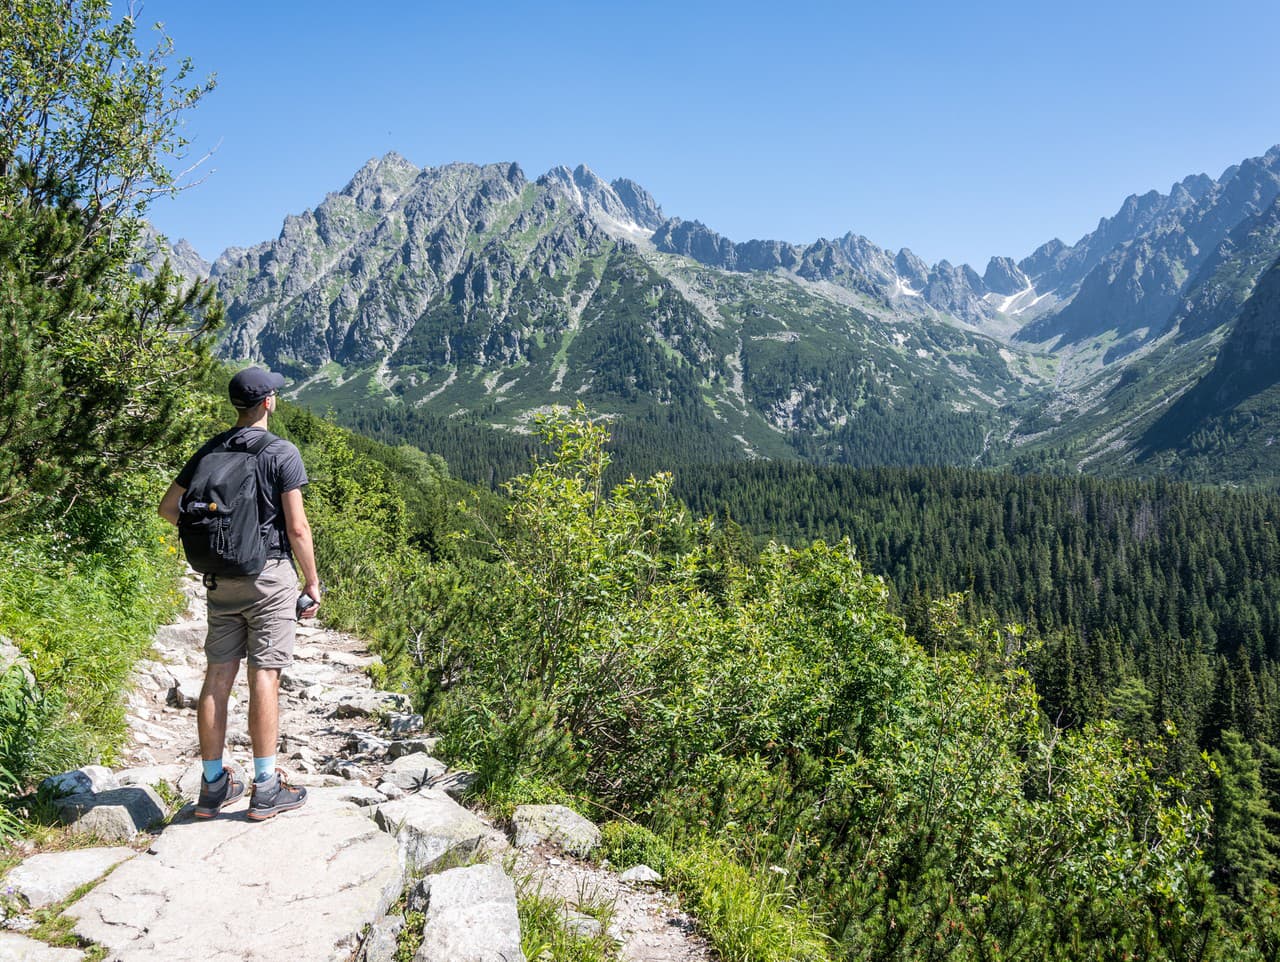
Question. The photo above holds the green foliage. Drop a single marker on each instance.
(82, 614)
(626, 844)
(748, 917)
(86, 115)
(94, 362)
(871, 794)
(546, 934)
(410, 937)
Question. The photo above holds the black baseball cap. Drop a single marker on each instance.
(252, 386)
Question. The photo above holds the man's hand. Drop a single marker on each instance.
(311, 588)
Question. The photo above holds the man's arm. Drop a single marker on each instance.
(299, 531)
(169, 503)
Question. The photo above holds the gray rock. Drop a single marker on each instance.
(239, 739)
(152, 775)
(307, 780)
(90, 778)
(366, 744)
(582, 924)
(413, 772)
(299, 675)
(366, 704)
(349, 659)
(11, 656)
(293, 741)
(44, 879)
(184, 634)
(430, 827)
(557, 824)
(301, 885)
(360, 795)
(415, 900)
(403, 723)
(382, 941)
(471, 917)
(410, 746)
(185, 691)
(455, 784)
(347, 769)
(19, 948)
(391, 790)
(640, 874)
(115, 815)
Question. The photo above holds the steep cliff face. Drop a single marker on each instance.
(470, 288)
(1130, 275)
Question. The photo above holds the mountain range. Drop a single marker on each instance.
(472, 291)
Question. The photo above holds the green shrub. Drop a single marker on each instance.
(626, 844)
(82, 616)
(749, 917)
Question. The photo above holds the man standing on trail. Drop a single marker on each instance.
(254, 615)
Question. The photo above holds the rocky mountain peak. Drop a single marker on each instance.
(381, 181)
(639, 202)
(633, 217)
(911, 268)
(1003, 276)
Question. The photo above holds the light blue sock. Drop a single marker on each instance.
(212, 769)
(263, 768)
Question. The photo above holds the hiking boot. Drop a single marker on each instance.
(274, 795)
(218, 794)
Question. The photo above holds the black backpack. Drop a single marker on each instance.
(218, 518)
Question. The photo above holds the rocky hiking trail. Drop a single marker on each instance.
(383, 833)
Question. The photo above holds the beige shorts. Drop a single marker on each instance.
(254, 617)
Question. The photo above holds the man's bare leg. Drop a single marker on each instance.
(211, 710)
(264, 710)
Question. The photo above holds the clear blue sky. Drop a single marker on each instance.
(960, 130)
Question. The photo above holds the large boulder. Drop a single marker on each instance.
(115, 816)
(557, 824)
(431, 827)
(44, 879)
(471, 917)
(81, 781)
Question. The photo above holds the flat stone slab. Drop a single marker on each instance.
(301, 885)
(471, 917)
(557, 824)
(19, 948)
(430, 826)
(44, 879)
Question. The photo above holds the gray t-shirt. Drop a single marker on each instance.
(279, 470)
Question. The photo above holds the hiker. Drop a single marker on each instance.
(254, 610)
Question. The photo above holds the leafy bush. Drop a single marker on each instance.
(82, 612)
